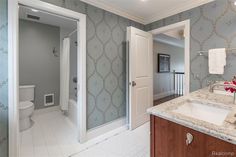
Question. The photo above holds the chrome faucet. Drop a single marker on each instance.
(212, 86)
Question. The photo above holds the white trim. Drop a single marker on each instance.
(162, 95)
(13, 79)
(82, 83)
(158, 15)
(109, 128)
(40, 5)
(14, 71)
(46, 110)
(186, 25)
(115, 10)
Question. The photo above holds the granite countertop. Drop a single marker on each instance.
(226, 131)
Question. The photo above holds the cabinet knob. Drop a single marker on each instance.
(189, 139)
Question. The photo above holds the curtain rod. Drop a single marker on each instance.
(70, 34)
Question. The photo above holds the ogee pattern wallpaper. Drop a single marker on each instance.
(106, 57)
(3, 80)
(213, 25)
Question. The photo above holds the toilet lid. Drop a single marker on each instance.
(26, 104)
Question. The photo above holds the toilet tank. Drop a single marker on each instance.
(26, 93)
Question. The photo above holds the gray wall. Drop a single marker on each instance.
(106, 58)
(3, 80)
(213, 25)
(163, 82)
(38, 65)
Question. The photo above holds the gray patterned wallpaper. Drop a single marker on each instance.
(213, 25)
(3, 80)
(106, 34)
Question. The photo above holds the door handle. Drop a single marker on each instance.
(133, 83)
(189, 139)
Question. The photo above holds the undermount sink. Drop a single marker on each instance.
(206, 112)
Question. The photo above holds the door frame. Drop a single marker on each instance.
(13, 67)
(186, 25)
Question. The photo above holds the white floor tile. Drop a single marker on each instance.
(53, 136)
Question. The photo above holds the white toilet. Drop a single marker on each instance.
(26, 106)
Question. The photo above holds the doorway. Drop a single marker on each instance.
(79, 35)
(141, 70)
(171, 56)
(47, 82)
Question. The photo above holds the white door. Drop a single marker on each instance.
(140, 76)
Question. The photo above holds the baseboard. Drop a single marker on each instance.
(162, 95)
(46, 110)
(107, 130)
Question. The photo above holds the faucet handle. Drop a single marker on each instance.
(211, 82)
(234, 78)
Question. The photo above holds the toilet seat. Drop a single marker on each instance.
(25, 105)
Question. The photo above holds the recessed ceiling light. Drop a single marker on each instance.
(144, 0)
(234, 2)
(34, 10)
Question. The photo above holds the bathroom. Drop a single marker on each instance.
(47, 70)
(115, 112)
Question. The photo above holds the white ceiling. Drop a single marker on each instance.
(146, 11)
(47, 18)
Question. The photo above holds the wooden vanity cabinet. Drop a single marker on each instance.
(168, 139)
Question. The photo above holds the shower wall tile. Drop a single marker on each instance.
(3, 80)
(213, 25)
(106, 60)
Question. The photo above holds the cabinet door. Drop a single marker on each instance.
(216, 146)
(167, 138)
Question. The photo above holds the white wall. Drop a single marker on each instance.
(163, 82)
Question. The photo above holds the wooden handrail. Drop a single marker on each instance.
(182, 73)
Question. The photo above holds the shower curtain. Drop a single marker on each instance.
(65, 74)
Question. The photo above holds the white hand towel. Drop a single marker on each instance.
(217, 61)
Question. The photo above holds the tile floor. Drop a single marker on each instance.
(52, 135)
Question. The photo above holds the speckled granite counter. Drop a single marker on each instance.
(226, 131)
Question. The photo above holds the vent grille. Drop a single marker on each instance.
(33, 17)
(49, 100)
